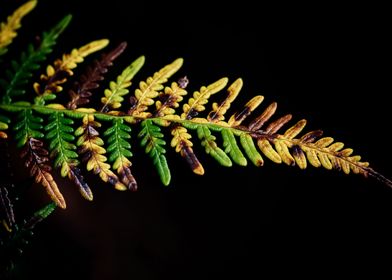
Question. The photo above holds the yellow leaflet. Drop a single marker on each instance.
(65, 64)
(200, 98)
(8, 29)
(180, 138)
(149, 89)
(69, 61)
(219, 110)
(174, 94)
(240, 116)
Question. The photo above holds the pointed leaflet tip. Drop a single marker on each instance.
(61, 26)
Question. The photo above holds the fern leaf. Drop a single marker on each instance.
(149, 89)
(4, 121)
(151, 139)
(258, 122)
(62, 69)
(183, 145)
(169, 99)
(8, 30)
(231, 147)
(27, 126)
(114, 94)
(200, 98)
(250, 149)
(267, 149)
(81, 91)
(237, 118)
(91, 146)
(39, 216)
(22, 71)
(210, 146)
(60, 134)
(219, 110)
(36, 157)
(119, 149)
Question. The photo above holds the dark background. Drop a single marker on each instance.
(326, 63)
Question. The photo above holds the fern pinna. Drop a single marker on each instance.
(68, 138)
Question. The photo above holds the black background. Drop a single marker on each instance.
(329, 64)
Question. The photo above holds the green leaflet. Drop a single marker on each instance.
(114, 94)
(59, 132)
(151, 138)
(119, 150)
(8, 29)
(20, 72)
(208, 141)
(118, 143)
(231, 147)
(4, 121)
(44, 212)
(149, 89)
(250, 149)
(27, 126)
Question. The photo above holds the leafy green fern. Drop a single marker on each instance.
(70, 139)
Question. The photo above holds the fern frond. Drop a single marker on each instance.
(114, 94)
(91, 147)
(21, 72)
(196, 103)
(232, 148)
(181, 142)
(27, 126)
(149, 89)
(169, 99)
(36, 157)
(60, 135)
(57, 74)
(81, 91)
(237, 118)
(119, 148)
(8, 30)
(151, 138)
(39, 216)
(219, 110)
(211, 147)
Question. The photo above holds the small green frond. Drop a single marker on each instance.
(119, 150)
(27, 126)
(208, 141)
(114, 94)
(8, 29)
(200, 98)
(151, 139)
(149, 89)
(250, 149)
(44, 212)
(29, 62)
(231, 147)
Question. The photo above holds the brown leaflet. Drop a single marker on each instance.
(81, 92)
(36, 157)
